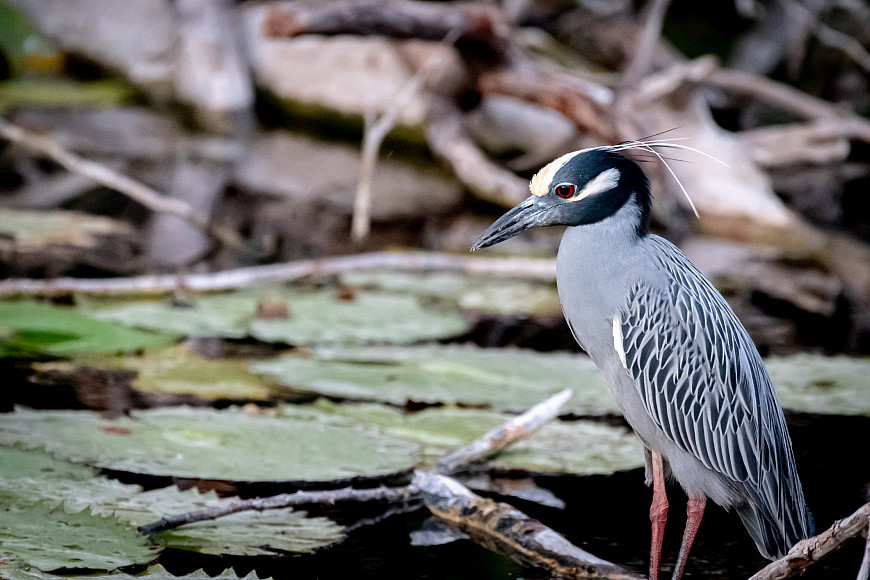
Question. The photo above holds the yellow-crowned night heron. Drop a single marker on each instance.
(679, 364)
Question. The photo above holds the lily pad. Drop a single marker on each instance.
(504, 296)
(293, 316)
(14, 569)
(209, 444)
(243, 534)
(29, 327)
(33, 475)
(48, 537)
(256, 534)
(180, 371)
(503, 379)
(579, 447)
(819, 384)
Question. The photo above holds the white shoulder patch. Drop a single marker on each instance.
(617, 340)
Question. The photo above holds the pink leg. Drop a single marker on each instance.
(694, 513)
(658, 515)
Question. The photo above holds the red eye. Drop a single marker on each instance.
(565, 190)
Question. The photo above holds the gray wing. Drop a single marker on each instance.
(703, 383)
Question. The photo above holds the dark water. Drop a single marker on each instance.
(606, 515)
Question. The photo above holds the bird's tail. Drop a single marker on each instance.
(774, 537)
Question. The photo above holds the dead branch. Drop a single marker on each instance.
(503, 528)
(789, 99)
(532, 269)
(327, 497)
(819, 142)
(517, 429)
(451, 142)
(649, 38)
(112, 179)
(807, 552)
(864, 572)
(373, 137)
(478, 26)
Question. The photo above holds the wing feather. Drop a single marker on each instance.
(703, 383)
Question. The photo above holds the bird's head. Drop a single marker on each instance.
(576, 189)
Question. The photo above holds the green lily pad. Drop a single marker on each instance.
(29, 327)
(503, 379)
(45, 520)
(256, 534)
(14, 569)
(33, 475)
(209, 444)
(180, 371)
(578, 447)
(48, 537)
(293, 316)
(244, 534)
(819, 384)
(505, 296)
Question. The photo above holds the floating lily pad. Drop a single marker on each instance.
(29, 327)
(818, 384)
(33, 475)
(478, 293)
(581, 447)
(30, 476)
(48, 537)
(209, 444)
(180, 371)
(14, 569)
(294, 316)
(256, 534)
(244, 534)
(504, 379)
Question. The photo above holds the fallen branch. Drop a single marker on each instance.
(135, 190)
(503, 528)
(864, 572)
(809, 551)
(519, 428)
(328, 497)
(534, 269)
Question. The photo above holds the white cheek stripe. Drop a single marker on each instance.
(604, 181)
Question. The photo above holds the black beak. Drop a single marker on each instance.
(527, 214)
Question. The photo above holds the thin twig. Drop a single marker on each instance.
(534, 269)
(328, 497)
(373, 137)
(809, 551)
(517, 429)
(834, 38)
(112, 179)
(645, 48)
